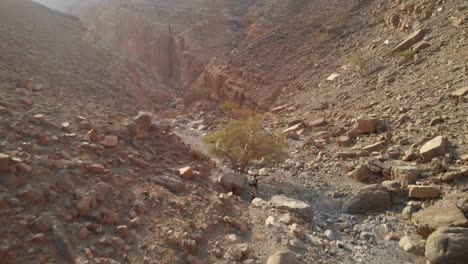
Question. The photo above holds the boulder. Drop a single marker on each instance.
(412, 39)
(433, 148)
(368, 199)
(412, 244)
(233, 182)
(283, 257)
(447, 246)
(298, 207)
(422, 192)
(443, 214)
(173, 184)
(392, 186)
(405, 175)
(367, 124)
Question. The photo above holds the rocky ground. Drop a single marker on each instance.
(377, 164)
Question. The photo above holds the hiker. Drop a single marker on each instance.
(252, 196)
(254, 184)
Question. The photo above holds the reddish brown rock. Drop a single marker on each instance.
(5, 162)
(122, 231)
(433, 148)
(412, 39)
(422, 192)
(186, 172)
(367, 124)
(110, 141)
(376, 147)
(442, 214)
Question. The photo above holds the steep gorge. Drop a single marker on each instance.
(171, 40)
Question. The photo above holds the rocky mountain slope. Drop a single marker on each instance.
(370, 95)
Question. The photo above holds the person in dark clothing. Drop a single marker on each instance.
(254, 184)
(252, 196)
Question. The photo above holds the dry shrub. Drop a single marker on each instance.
(359, 61)
(243, 141)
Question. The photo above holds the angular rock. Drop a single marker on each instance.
(422, 192)
(294, 128)
(368, 199)
(110, 141)
(361, 173)
(186, 172)
(412, 245)
(433, 148)
(173, 184)
(447, 246)
(405, 175)
(460, 92)
(367, 124)
(344, 141)
(283, 257)
(376, 165)
(412, 39)
(443, 214)
(318, 122)
(298, 207)
(143, 120)
(234, 182)
(376, 147)
(392, 186)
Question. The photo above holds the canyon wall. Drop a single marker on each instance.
(171, 40)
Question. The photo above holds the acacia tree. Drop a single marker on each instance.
(243, 141)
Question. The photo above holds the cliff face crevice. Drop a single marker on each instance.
(172, 41)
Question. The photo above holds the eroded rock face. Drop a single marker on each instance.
(174, 40)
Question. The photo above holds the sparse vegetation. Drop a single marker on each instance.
(407, 54)
(359, 61)
(243, 141)
(197, 94)
(228, 106)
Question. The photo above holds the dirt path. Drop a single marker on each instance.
(334, 237)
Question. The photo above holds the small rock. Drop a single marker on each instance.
(412, 245)
(301, 208)
(186, 172)
(283, 257)
(422, 192)
(122, 231)
(376, 147)
(460, 92)
(361, 173)
(433, 148)
(405, 175)
(110, 141)
(367, 124)
(5, 162)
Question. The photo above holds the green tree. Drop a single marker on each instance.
(243, 141)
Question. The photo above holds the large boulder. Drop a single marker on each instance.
(447, 246)
(368, 199)
(233, 182)
(301, 208)
(443, 214)
(435, 147)
(173, 184)
(283, 257)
